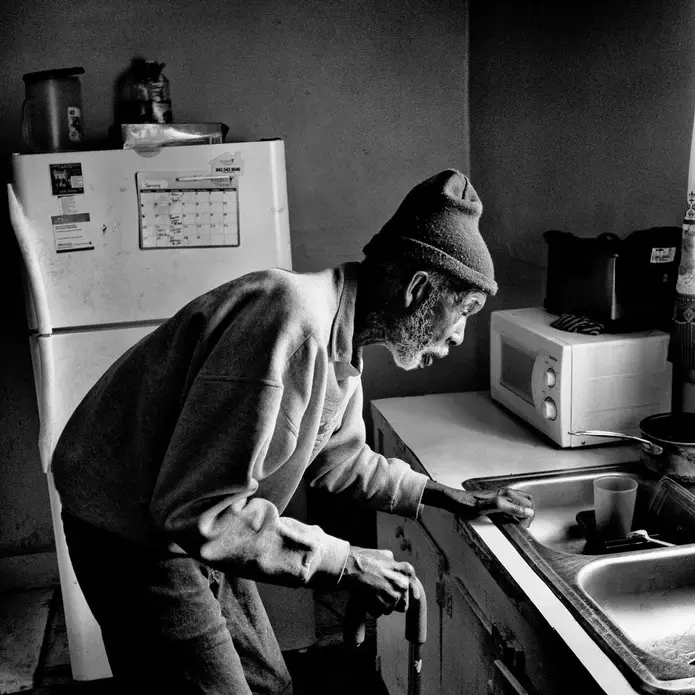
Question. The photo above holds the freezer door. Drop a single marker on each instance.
(120, 236)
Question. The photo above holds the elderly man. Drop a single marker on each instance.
(175, 469)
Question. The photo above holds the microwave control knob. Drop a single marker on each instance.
(549, 409)
(550, 378)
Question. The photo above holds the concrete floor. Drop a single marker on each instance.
(328, 667)
(318, 671)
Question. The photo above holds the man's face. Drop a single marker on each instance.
(438, 323)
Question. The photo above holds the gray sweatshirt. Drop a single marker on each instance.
(196, 439)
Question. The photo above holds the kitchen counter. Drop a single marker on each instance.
(459, 436)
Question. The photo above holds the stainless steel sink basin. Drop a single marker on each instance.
(559, 497)
(636, 600)
(650, 597)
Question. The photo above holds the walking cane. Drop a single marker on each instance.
(416, 634)
(354, 629)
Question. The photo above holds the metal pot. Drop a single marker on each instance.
(668, 443)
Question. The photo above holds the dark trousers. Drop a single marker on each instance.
(171, 624)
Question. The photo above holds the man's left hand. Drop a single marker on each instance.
(472, 504)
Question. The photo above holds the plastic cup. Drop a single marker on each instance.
(614, 505)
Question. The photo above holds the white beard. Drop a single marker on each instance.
(410, 341)
(409, 358)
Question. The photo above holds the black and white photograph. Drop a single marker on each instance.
(348, 347)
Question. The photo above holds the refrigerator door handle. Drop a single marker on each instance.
(23, 233)
(46, 400)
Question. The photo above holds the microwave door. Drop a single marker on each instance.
(517, 370)
(530, 385)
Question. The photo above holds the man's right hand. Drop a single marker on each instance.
(378, 579)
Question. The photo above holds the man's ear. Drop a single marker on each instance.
(417, 290)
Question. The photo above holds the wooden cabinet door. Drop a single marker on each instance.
(467, 646)
(409, 542)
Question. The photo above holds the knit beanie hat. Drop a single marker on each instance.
(437, 224)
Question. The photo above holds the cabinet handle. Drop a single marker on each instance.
(406, 546)
(509, 680)
(508, 648)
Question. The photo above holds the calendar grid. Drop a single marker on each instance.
(188, 215)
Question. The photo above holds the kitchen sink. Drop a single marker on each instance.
(635, 598)
(650, 597)
(560, 497)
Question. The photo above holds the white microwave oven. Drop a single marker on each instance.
(560, 381)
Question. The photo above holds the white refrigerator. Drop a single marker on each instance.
(114, 242)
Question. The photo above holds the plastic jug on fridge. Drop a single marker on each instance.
(52, 111)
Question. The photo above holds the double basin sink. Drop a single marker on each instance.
(636, 598)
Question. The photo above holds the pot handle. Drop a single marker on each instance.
(649, 446)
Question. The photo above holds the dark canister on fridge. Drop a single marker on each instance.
(144, 94)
